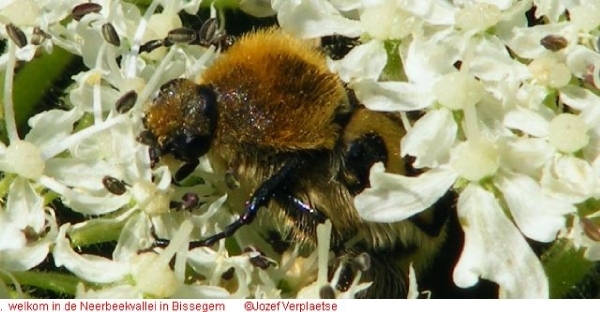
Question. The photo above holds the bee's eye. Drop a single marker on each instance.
(187, 147)
(203, 108)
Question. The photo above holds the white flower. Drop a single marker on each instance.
(488, 233)
(431, 138)
(388, 21)
(462, 139)
(30, 163)
(26, 239)
(380, 202)
(313, 18)
(571, 178)
(24, 159)
(312, 291)
(27, 15)
(149, 272)
(362, 77)
(477, 17)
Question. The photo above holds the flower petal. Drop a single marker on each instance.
(313, 18)
(495, 250)
(525, 155)
(551, 9)
(413, 286)
(24, 206)
(585, 101)
(133, 238)
(353, 66)
(116, 292)
(581, 239)
(11, 235)
(491, 61)
(435, 12)
(393, 197)
(392, 96)
(81, 174)
(525, 41)
(153, 276)
(24, 258)
(580, 59)
(430, 139)
(571, 179)
(538, 216)
(89, 203)
(88, 267)
(528, 121)
(426, 60)
(50, 127)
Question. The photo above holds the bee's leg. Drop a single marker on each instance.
(286, 199)
(261, 198)
(158, 242)
(185, 170)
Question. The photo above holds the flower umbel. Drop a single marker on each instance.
(508, 119)
(496, 128)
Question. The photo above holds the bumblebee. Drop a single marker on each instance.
(270, 112)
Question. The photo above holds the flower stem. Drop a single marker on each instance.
(95, 233)
(52, 281)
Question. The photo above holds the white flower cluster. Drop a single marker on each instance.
(511, 124)
(89, 156)
(512, 119)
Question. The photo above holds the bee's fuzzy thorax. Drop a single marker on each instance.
(271, 85)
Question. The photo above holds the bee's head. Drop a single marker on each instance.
(182, 119)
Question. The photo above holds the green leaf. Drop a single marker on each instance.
(32, 81)
(566, 268)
